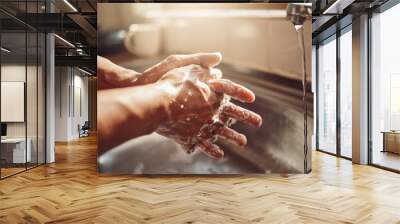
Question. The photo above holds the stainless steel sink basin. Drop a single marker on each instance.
(276, 147)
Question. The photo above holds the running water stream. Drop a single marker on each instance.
(300, 37)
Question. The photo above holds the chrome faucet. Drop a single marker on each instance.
(298, 13)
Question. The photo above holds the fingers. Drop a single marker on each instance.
(242, 114)
(232, 136)
(218, 129)
(210, 149)
(122, 78)
(230, 88)
(111, 75)
(206, 60)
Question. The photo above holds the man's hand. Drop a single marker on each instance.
(111, 75)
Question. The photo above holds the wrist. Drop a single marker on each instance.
(150, 103)
(167, 94)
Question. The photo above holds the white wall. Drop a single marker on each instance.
(34, 126)
(69, 82)
(12, 73)
(79, 117)
(62, 81)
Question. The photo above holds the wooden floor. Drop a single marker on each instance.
(71, 191)
(10, 171)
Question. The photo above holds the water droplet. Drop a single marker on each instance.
(182, 106)
(297, 27)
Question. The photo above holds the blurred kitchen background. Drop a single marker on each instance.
(260, 50)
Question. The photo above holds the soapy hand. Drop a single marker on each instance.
(199, 109)
(183, 97)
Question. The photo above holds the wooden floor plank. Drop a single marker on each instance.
(71, 191)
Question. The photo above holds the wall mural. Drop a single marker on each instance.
(204, 88)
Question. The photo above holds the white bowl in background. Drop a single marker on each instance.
(143, 40)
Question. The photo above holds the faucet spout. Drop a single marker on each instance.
(298, 13)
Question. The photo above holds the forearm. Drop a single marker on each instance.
(126, 113)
